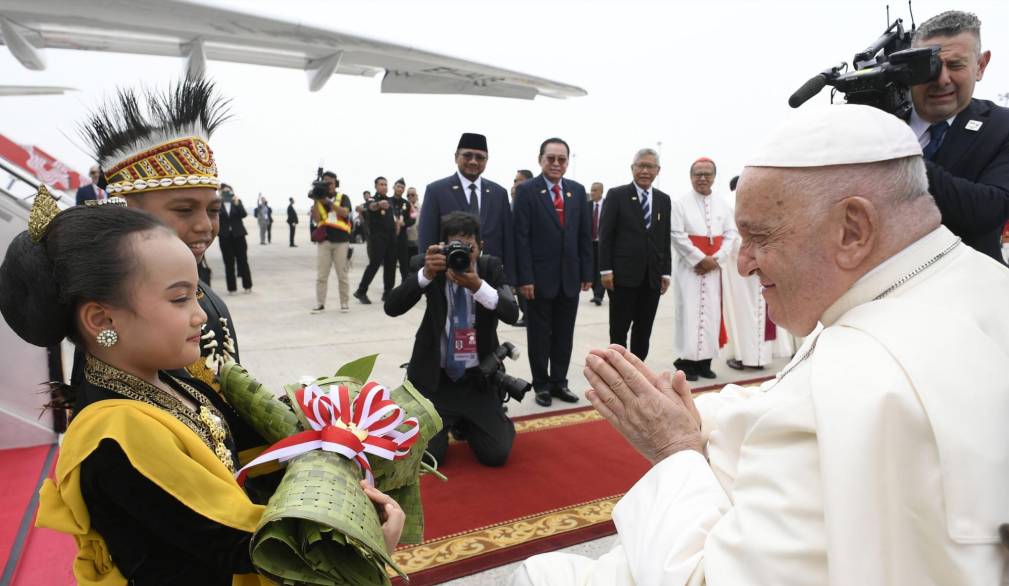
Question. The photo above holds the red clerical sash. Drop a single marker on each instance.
(710, 246)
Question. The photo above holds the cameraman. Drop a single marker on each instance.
(965, 141)
(458, 330)
(333, 213)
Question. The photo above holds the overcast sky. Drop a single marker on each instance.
(703, 78)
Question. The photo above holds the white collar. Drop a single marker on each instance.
(466, 183)
(888, 272)
(642, 191)
(920, 126)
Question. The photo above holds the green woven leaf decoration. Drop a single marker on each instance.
(359, 369)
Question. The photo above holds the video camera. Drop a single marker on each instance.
(319, 188)
(882, 74)
(493, 369)
(457, 255)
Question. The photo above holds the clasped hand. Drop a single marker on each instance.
(654, 412)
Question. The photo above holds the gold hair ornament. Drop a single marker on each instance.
(44, 209)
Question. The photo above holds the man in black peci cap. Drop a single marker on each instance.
(466, 190)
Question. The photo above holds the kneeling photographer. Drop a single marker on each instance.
(466, 296)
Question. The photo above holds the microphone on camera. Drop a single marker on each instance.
(814, 85)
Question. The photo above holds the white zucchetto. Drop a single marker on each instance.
(841, 134)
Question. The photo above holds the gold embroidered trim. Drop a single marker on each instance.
(206, 422)
(484, 540)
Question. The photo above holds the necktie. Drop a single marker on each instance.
(474, 202)
(459, 319)
(937, 131)
(558, 203)
(646, 209)
(595, 221)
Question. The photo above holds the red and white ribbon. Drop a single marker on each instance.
(366, 425)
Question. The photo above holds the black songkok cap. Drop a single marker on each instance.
(470, 140)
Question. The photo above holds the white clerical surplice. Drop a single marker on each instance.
(700, 226)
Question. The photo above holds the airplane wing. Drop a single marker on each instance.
(32, 90)
(199, 33)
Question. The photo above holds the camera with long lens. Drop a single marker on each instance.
(319, 188)
(493, 369)
(882, 74)
(457, 255)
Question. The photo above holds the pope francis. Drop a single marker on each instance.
(866, 461)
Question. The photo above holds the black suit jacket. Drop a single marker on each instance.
(231, 224)
(626, 247)
(425, 363)
(556, 260)
(969, 177)
(446, 195)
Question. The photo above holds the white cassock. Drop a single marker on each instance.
(754, 339)
(867, 462)
(700, 226)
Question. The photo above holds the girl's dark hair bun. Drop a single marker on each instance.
(83, 257)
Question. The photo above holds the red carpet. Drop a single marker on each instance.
(565, 473)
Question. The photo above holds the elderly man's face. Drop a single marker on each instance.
(786, 246)
(596, 191)
(702, 177)
(645, 170)
(962, 67)
(554, 161)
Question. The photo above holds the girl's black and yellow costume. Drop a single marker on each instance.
(145, 484)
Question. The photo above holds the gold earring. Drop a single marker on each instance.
(107, 337)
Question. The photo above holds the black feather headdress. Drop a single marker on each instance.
(134, 122)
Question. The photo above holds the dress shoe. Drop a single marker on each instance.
(543, 398)
(362, 297)
(690, 376)
(735, 364)
(564, 394)
(521, 323)
(708, 373)
(318, 309)
(597, 301)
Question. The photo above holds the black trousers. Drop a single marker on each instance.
(633, 308)
(292, 227)
(477, 412)
(236, 253)
(381, 253)
(550, 328)
(403, 255)
(597, 280)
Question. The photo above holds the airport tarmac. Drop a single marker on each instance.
(280, 340)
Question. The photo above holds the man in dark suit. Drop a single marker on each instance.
(292, 219)
(965, 141)
(234, 248)
(634, 253)
(468, 190)
(553, 252)
(378, 214)
(596, 202)
(458, 330)
(91, 190)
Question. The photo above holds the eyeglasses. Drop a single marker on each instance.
(646, 166)
(703, 175)
(556, 159)
(478, 157)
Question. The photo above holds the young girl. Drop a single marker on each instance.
(144, 480)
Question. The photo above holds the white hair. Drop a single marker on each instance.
(646, 153)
